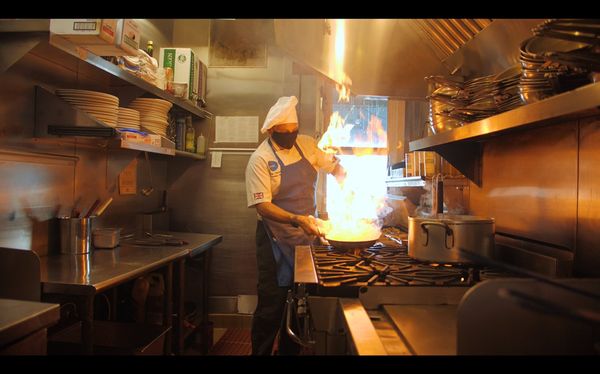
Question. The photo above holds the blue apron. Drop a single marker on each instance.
(297, 196)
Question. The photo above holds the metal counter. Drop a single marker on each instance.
(19, 318)
(105, 268)
(81, 277)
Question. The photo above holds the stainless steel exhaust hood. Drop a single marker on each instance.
(391, 57)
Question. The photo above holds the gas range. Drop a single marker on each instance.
(363, 290)
(380, 301)
(385, 264)
(382, 265)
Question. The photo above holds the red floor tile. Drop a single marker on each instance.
(235, 342)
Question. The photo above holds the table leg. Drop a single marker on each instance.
(114, 303)
(86, 307)
(178, 302)
(168, 306)
(207, 330)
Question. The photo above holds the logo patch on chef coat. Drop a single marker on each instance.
(273, 165)
(258, 195)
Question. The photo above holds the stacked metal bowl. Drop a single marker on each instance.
(543, 77)
(475, 99)
(585, 33)
(442, 89)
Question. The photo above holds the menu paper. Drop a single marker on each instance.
(236, 129)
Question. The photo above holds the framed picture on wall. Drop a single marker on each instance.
(238, 43)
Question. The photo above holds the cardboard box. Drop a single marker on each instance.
(184, 67)
(202, 76)
(103, 37)
(131, 136)
(153, 140)
(85, 31)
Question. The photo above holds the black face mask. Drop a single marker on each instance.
(285, 139)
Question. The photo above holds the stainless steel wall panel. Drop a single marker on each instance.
(213, 200)
(32, 191)
(34, 186)
(530, 184)
(587, 255)
(206, 199)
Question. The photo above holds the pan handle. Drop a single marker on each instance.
(449, 232)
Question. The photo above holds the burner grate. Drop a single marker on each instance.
(383, 265)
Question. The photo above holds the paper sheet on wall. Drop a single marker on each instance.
(236, 129)
(128, 179)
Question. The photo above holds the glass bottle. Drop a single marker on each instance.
(190, 135)
(150, 48)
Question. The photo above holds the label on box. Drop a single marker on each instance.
(78, 26)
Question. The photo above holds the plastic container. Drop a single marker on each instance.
(180, 89)
(106, 237)
(201, 145)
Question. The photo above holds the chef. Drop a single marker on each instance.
(281, 178)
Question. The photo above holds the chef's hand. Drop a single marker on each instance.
(309, 224)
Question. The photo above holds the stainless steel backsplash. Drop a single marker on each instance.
(541, 185)
(43, 177)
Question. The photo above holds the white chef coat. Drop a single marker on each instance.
(263, 173)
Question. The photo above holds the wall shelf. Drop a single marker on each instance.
(54, 116)
(125, 76)
(191, 155)
(422, 181)
(462, 146)
(124, 144)
(405, 182)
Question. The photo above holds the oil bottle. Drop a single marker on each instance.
(190, 135)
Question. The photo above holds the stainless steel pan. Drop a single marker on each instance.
(345, 245)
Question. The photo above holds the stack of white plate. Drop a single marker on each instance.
(153, 114)
(129, 119)
(100, 105)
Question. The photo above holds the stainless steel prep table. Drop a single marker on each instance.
(84, 276)
(23, 326)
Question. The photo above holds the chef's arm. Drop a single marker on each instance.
(275, 213)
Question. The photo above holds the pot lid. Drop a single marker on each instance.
(455, 219)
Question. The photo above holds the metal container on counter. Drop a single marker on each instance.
(106, 237)
(442, 237)
(75, 235)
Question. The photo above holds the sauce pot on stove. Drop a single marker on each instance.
(442, 238)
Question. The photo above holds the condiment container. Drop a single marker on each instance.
(106, 237)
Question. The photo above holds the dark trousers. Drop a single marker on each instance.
(269, 317)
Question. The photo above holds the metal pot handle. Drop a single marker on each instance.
(449, 232)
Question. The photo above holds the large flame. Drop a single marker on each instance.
(356, 205)
(343, 81)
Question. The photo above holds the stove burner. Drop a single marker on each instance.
(382, 265)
